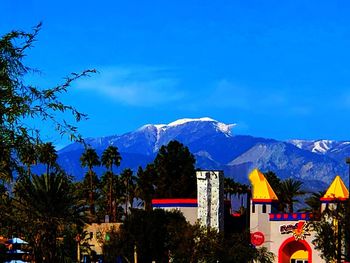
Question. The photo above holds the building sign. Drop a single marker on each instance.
(257, 238)
(299, 230)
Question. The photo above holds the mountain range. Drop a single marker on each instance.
(216, 146)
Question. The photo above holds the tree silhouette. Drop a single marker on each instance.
(20, 102)
(289, 190)
(145, 185)
(47, 207)
(47, 155)
(111, 157)
(89, 159)
(176, 175)
(128, 181)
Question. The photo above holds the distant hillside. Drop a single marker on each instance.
(215, 146)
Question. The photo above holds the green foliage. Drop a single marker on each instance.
(314, 204)
(332, 232)
(47, 208)
(264, 256)
(286, 190)
(111, 157)
(160, 235)
(43, 209)
(289, 189)
(145, 185)
(274, 181)
(20, 102)
(326, 240)
(176, 175)
(89, 159)
(128, 183)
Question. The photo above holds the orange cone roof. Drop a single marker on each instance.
(262, 191)
(336, 191)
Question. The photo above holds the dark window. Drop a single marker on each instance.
(264, 208)
(253, 208)
(292, 261)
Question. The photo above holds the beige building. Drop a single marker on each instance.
(97, 234)
(288, 236)
(207, 208)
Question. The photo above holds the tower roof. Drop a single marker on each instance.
(262, 191)
(336, 191)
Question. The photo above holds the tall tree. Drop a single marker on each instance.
(89, 159)
(176, 175)
(47, 207)
(20, 102)
(145, 185)
(128, 181)
(290, 189)
(314, 204)
(47, 155)
(111, 157)
(274, 181)
(28, 156)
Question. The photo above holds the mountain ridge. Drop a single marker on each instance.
(216, 146)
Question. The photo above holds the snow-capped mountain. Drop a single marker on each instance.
(316, 146)
(338, 150)
(216, 146)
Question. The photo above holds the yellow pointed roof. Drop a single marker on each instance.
(262, 191)
(336, 191)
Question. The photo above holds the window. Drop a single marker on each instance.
(253, 208)
(264, 208)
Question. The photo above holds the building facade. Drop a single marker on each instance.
(207, 208)
(288, 235)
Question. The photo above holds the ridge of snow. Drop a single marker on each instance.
(161, 128)
(298, 143)
(186, 120)
(321, 146)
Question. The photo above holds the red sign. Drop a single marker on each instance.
(257, 238)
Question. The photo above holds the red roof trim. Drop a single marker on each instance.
(175, 201)
(257, 200)
(333, 198)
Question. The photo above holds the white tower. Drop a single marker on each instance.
(210, 195)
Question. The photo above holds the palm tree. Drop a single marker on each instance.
(110, 157)
(28, 156)
(128, 180)
(47, 209)
(229, 187)
(89, 159)
(47, 155)
(289, 190)
(314, 204)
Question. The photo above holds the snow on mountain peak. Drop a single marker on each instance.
(315, 146)
(322, 146)
(186, 120)
(221, 127)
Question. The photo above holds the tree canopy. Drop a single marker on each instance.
(21, 102)
(175, 171)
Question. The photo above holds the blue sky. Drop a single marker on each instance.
(278, 69)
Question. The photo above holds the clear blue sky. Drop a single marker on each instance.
(279, 69)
